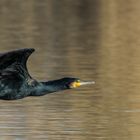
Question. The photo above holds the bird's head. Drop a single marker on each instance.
(63, 84)
(74, 82)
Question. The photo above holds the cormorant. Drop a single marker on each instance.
(16, 82)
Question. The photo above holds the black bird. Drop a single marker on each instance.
(16, 82)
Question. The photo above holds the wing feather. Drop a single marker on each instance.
(13, 64)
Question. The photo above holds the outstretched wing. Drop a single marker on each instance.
(13, 65)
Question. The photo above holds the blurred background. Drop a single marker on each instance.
(90, 39)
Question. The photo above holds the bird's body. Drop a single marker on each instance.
(16, 82)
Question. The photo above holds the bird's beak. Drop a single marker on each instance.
(80, 83)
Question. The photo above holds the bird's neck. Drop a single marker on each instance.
(49, 87)
(52, 86)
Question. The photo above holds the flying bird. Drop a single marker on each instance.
(17, 83)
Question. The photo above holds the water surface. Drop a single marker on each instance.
(92, 40)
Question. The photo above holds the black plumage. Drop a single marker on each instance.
(16, 82)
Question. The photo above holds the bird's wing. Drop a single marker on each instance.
(13, 65)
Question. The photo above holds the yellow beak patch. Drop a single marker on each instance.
(75, 84)
(79, 83)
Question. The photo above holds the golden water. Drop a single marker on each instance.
(93, 40)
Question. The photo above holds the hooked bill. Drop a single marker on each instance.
(87, 83)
